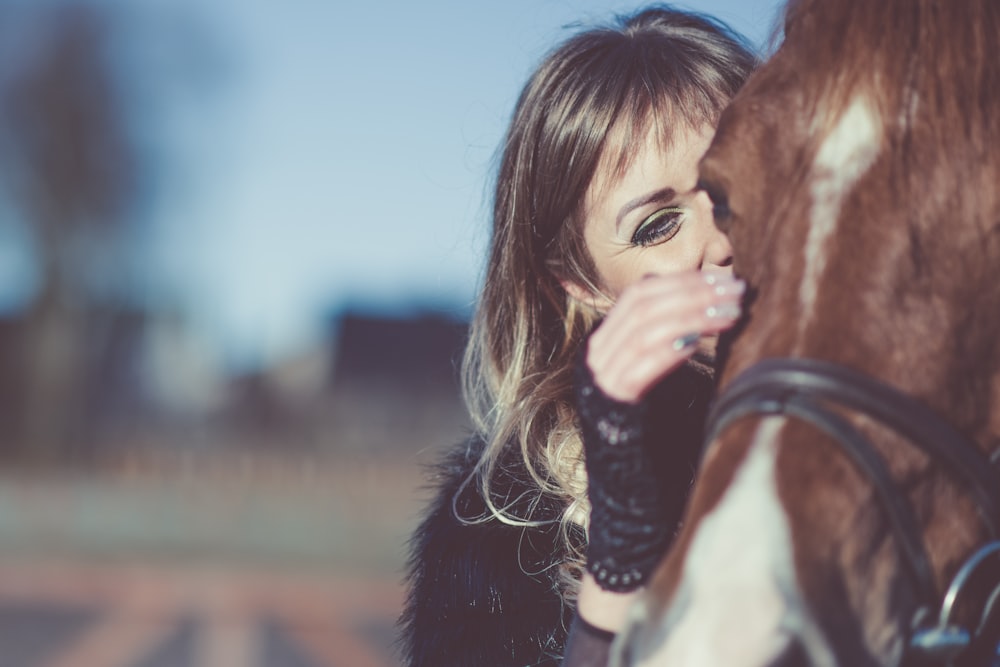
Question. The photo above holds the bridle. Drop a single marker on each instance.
(812, 390)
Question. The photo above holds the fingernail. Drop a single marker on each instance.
(685, 341)
(725, 311)
(733, 287)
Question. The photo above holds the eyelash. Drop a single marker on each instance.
(649, 232)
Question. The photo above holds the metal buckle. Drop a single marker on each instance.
(974, 594)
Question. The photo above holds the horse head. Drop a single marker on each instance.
(858, 176)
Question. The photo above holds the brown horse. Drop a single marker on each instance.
(858, 175)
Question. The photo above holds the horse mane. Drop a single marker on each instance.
(931, 71)
(943, 52)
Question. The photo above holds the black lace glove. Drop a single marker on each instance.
(640, 461)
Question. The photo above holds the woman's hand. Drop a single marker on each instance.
(655, 325)
(650, 332)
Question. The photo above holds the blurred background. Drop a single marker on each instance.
(239, 245)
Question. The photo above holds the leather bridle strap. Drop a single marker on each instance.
(901, 518)
(843, 386)
(800, 387)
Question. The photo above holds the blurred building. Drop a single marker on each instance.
(396, 382)
(379, 386)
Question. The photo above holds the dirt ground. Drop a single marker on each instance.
(225, 562)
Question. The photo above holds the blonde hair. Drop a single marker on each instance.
(590, 101)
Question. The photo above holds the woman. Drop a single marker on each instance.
(597, 219)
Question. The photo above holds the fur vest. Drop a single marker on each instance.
(485, 594)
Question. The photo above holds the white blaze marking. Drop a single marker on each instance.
(737, 604)
(846, 154)
(738, 573)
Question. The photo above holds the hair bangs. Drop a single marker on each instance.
(661, 103)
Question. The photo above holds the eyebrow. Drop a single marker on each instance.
(659, 195)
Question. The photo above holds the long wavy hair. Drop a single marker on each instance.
(591, 102)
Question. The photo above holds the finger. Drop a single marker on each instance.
(630, 382)
(699, 311)
(684, 281)
(627, 370)
(651, 300)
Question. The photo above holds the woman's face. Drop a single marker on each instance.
(653, 219)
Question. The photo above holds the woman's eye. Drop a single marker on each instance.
(659, 227)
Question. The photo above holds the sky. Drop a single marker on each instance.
(326, 154)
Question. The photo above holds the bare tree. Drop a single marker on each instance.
(72, 172)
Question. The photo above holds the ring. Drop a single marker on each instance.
(685, 341)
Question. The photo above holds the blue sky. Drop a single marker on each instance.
(343, 154)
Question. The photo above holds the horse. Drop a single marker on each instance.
(847, 506)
